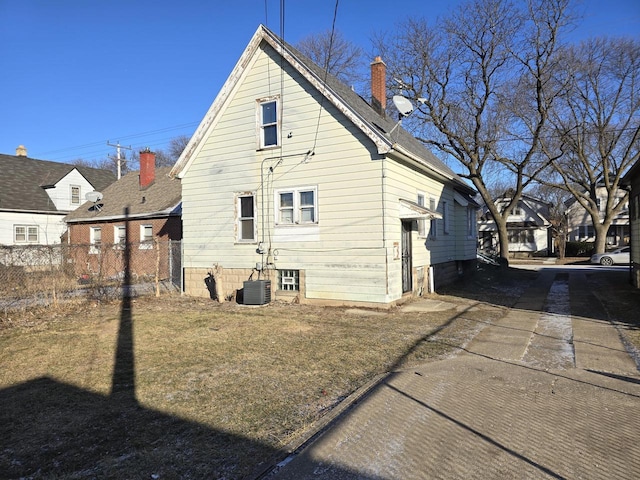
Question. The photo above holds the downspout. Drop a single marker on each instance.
(384, 229)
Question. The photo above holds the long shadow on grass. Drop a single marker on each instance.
(50, 429)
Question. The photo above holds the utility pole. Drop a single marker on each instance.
(118, 158)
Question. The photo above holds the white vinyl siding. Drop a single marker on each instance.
(347, 253)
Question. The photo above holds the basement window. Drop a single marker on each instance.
(289, 280)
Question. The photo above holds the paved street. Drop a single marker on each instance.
(548, 391)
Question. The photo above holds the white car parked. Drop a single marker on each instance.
(621, 255)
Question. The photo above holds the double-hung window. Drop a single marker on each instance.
(297, 206)
(246, 217)
(75, 195)
(445, 217)
(25, 233)
(268, 122)
(433, 226)
(422, 227)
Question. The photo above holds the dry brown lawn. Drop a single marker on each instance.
(218, 391)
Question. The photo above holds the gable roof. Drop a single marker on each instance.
(388, 138)
(161, 198)
(24, 181)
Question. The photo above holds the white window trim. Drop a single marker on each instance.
(260, 125)
(119, 241)
(71, 187)
(433, 223)
(471, 222)
(146, 244)
(238, 218)
(445, 217)
(27, 233)
(296, 206)
(422, 223)
(94, 246)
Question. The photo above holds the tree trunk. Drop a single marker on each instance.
(600, 244)
(503, 240)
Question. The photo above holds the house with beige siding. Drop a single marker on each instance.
(293, 178)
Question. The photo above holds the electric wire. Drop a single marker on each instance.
(326, 73)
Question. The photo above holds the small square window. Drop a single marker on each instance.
(289, 280)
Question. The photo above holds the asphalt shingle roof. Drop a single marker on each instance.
(163, 194)
(23, 179)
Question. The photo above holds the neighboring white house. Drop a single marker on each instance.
(35, 195)
(580, 226)
(293, 177)
(528, 227)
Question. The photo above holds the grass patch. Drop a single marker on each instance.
(217, 389)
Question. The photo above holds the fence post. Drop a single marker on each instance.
(157, 245)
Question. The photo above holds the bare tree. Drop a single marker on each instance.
(596, 128)
(483, 80)
(341, 57)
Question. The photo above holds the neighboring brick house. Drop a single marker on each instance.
(98, 230)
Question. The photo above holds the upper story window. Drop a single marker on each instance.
(268, 122)
(25, 233)
(75, 195)
(516, 211)
(246, 218)
(297, 206)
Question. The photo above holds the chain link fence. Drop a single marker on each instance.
(42, 275)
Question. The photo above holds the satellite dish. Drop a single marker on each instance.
(403, 105)
(93, 196)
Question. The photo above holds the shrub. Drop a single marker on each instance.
(579, 249)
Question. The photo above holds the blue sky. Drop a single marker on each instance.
(76, 74)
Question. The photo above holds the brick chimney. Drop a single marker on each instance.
(147, 168)
(379, 85)
(21, 151)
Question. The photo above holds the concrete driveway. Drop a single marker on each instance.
(548, 391)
